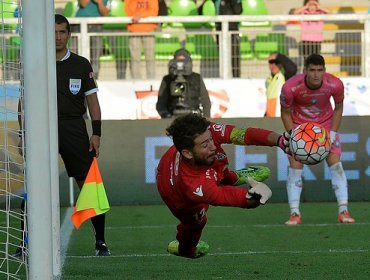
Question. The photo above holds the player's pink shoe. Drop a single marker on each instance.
(295, 219)
(345, 218)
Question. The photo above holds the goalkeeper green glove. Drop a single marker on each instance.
(258, 190)
(258, 173)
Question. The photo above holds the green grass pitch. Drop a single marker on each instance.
(244, 244)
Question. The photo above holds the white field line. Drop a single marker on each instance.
(238, 226)
(65, 235)
(272, 252)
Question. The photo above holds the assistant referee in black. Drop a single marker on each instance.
(76, 87)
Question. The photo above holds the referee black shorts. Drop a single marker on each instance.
(74, 147)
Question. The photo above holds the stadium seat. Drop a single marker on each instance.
(7, 10)
(280, 39)
(253, 8)
(108, 55)
(119, 47)
(165, 46)
(208, 9)
(246, 51)
(264, 46)
(70, 9)
(116, 46)
(12, 49)
(117, 10)
(184, 8)
(202, 46)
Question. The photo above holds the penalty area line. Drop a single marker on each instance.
(238, 226)
(329, 251)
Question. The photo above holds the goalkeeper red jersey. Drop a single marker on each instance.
(184, 186)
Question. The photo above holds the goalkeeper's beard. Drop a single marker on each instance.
(204, 161)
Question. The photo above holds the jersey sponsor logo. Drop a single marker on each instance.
(198, 191)
(75, 86)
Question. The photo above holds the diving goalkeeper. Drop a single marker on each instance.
(194, 174)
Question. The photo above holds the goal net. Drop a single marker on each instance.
(13, 239)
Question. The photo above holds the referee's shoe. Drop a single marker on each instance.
(101, 249)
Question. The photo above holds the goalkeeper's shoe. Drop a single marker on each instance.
(295, 219)
(202, 249)
(258, 173)
(101, 249)
(345, 218)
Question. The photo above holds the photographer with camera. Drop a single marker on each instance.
(182, 91)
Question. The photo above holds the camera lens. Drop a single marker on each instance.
(179, 89)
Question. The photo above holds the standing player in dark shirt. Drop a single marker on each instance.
(76, 87)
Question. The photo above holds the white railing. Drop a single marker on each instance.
(253, 68)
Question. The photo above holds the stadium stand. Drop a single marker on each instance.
(342, 46)
(12, 42)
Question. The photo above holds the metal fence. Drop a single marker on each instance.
(104, 40)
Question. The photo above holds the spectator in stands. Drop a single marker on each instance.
(311, 31)
(281, 69)
(138, 9)
(231, 7)
(94, 8)
(182, 91)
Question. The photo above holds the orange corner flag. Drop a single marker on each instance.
(92, 200)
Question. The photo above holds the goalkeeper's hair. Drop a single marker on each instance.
(185, 128)
(59, 19)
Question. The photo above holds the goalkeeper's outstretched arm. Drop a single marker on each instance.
(260, 137)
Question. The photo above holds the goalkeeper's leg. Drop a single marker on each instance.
(189, 231)
(258, 173)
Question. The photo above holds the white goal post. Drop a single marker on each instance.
(41, 138)
(28, 70)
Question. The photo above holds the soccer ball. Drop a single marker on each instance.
(310, 143)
